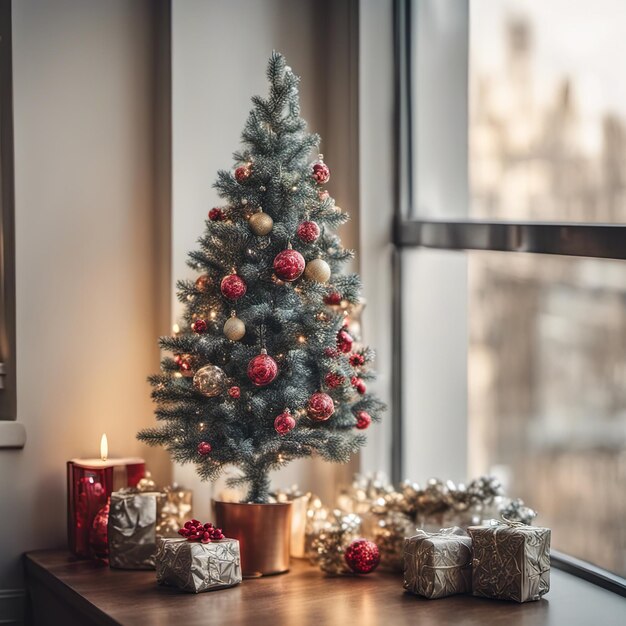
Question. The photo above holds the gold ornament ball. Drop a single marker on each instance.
(261, 224)
(234, 329)
(317, 270)
(210, 380)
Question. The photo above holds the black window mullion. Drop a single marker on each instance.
(603, 241)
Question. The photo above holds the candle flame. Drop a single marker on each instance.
(104, 447)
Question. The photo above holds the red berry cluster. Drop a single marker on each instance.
(184, 363)
(356, 359)
(363, 420)
(216, 214)
(358, 384)
(195, 530)
(344, 341)
(199, 326)
(334, 380)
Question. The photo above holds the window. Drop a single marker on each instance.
(513, 141)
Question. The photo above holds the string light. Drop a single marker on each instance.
(212, 314)
(301, 339)
(177, 375)
(176, 329)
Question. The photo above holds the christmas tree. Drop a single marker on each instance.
(265, 369)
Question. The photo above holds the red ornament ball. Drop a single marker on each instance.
(344, 341)
(233, 287)
(332, 298)
(289, 265)
(199, 326)
(284, 423)
(356, 359)
(262, 370)
(204, 447)
(185, 365)
(234, 392)
(98, 534)
(320, 407)
(216, 214)
(321, 173)
(362, 556)
(243, 173)
(308, 231)
(363, 420)
(334, 380)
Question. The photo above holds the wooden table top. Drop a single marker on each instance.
(304, 596)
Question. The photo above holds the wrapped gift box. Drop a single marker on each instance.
(195, 567)
(438, 564)
(132, 527)
(511, 561)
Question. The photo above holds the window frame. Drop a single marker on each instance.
(591, 240)
(7, 223)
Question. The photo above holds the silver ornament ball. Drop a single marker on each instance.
(317, 270)
(210, 380)
(234, 329)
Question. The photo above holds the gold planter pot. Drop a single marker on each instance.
(263, 532)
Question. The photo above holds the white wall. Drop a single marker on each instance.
(85, 253)
(220, 51)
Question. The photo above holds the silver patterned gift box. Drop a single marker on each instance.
(511, 561)
(132, 528)
(195, 567)
(438, 564)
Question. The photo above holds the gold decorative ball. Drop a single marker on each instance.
(317, 270)
(203, 282)
(261, 224)
(210, 380)
(234, 329)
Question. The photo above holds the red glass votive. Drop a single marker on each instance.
(90, 483)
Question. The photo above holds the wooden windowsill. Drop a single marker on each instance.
(12, 434)
(86, 592)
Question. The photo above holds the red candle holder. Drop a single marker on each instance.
(90, 483)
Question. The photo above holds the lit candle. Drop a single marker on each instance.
(90, 483)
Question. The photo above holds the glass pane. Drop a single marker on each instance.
(547, 393)
(547, 118)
